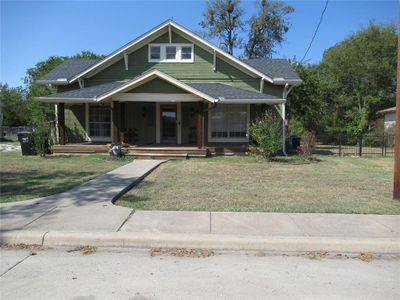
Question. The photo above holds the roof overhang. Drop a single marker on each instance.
(60, 81)
(131, 84)
(250, 101)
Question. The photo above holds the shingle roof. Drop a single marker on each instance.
(274, 68)
(218, 90)
(88, 92)
(68, 69)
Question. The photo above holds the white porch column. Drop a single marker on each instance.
(283, 113)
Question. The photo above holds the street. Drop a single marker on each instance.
(135, 274)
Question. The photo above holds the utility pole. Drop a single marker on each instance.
(396, 179)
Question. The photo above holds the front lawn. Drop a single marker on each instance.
(27, 177)
(331, 185)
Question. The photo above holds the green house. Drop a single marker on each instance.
(166, 87)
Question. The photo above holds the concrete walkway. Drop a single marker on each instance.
(87, 207)
(86, 215)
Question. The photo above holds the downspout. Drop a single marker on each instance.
(286, 91)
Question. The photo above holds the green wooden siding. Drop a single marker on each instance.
(75, 123)
(157, 86)
(199, 71)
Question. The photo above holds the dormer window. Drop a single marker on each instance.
(155, 52)
(171, 53)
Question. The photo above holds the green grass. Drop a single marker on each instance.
(328, 185)
(27, 177)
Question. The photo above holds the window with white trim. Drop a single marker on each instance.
(99, 120)
(182, 53)
(229, 121)
(155, 52)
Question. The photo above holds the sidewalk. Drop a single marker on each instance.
(86, 215)
(87, 207)
(233, 231)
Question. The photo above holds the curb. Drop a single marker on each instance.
(209, 241)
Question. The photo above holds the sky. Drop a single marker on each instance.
(31, 31)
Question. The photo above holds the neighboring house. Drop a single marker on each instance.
(168, 86)
(389, 118)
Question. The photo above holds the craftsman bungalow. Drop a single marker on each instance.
(167, 87)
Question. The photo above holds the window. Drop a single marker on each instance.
(171, 53)
(99, 121)
(229, 121)
(155, 52)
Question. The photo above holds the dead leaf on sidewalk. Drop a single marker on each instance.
(317, 254)
(22, 246)
(181, 252)
(84, 249)
(367, 257)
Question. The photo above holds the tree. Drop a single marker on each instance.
(42, 115)
(306, 105)
(267, 28)
(361, 70)
(12, 106)
(222, 19)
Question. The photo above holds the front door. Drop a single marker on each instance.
(168, 124)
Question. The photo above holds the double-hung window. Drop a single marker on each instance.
(99, 121)
(155, 52)
(171, 53)
(228, 122)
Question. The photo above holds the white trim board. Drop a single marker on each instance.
(155, 97)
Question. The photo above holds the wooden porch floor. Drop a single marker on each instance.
(153, 151)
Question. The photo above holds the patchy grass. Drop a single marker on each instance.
(27, 177)
(327, 185)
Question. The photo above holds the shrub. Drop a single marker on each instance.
(307, 144)
(266, 131)
(41, 137)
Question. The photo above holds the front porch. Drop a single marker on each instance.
(154, 151)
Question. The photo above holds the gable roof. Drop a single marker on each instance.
(250, 68)
(229, 94)
(65, 71)
(213, 92)
(279, 69)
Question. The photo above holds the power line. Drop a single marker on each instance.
(316, 30)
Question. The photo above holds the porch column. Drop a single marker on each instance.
(200, 118)
(61, 123)
(115, 122)
(121, 123)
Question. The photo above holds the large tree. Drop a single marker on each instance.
(267, 28)
(222, 19)
(361, 70)
(12, 106)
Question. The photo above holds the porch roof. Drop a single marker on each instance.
(213, 92)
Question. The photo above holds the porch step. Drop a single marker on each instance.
(228, 151)
(145, 155)
(79, 149)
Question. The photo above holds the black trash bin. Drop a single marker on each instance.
(22, 134)
(294, 142)
(27, 146)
